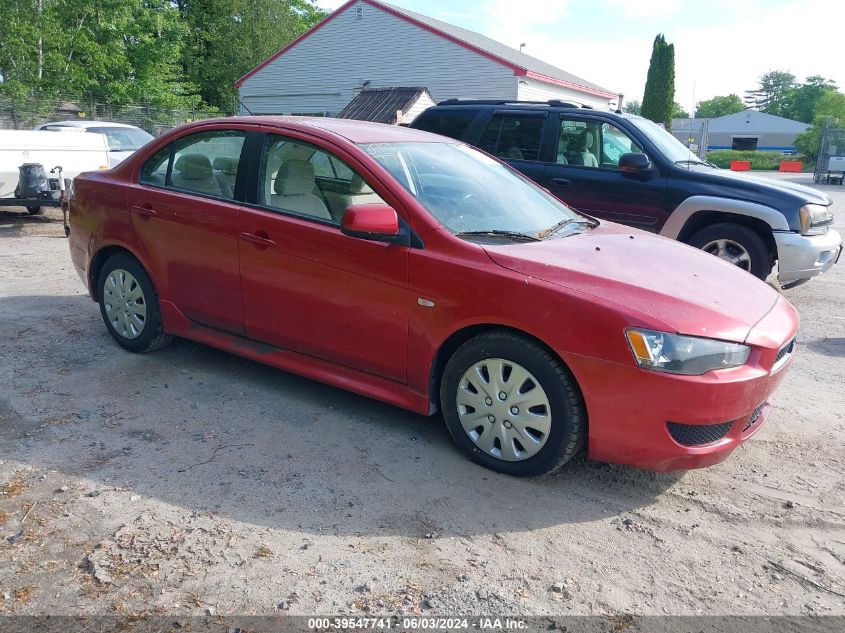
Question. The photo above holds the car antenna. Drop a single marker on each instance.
(243, 105)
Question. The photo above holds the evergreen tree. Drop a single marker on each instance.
(772, 95)
(659, 98)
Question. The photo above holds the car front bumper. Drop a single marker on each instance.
(634, 414)
(801, 257)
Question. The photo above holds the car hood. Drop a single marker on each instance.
(755, 183)
(685, 289)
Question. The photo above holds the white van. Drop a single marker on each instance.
(123, 140)
(75, 153)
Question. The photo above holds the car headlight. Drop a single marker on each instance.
(686, 355)
(815, 219)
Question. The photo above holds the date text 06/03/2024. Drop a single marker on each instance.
(418, 623)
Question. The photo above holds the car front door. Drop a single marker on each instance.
(308, 287)
(585, 174)
(185, 212)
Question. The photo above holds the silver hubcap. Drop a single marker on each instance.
(504, 410)
(126, 308)
(732, 252)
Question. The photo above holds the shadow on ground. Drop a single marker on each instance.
(212, 432)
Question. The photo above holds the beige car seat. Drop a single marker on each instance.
(294, 190)
(359, 193)
(228, 172)
(193, 172)
(588, 159)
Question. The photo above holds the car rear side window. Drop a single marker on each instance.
(452, 123)
(513, 136)
(207, 163)
(155, 169)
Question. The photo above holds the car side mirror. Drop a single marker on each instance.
(377, 222)
(634, 163)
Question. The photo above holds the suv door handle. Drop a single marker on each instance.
(259, 238)
(144, 210)
(561, 182)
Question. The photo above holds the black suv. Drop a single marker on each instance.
(627, 169)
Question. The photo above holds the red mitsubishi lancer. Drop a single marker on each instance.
(411, 268)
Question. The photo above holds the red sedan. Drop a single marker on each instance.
(413, 269)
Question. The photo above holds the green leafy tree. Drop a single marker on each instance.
(830, 111)
(633, 107)
(659, 97)
(800, 102)
(772, 95)
(678, 111)
(719, 106)
(227, 38)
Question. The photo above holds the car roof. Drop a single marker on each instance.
(88, 124)
(556, 105)
(349, 129)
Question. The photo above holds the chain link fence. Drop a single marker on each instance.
(26, 114)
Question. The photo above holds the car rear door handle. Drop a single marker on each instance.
(144, 210)
(561, 182)
(260, 238)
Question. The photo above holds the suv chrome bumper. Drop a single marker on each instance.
(804, 256)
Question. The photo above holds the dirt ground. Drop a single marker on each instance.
(193, 482)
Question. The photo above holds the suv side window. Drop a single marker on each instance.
(588, 143)
(448, 122)
(513, 136)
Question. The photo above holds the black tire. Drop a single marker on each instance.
(35, 210)
(568, 431)
(748, 238)
(152, 336)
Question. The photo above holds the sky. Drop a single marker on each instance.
(721, 46)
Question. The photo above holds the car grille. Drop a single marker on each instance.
(784, 353)
(698, 434)
(754, 416)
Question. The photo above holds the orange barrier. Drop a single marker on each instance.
(740, 165)
(791, 166)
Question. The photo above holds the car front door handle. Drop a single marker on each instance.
(144, 210)
(561, 182)
(259, 238)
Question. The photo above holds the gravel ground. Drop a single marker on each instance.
(192, 482)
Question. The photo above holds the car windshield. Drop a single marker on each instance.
(123, 139)
(670, 147)
(469, 192)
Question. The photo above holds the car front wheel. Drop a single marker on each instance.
(736, 244)
(129, 305)
(512, 406)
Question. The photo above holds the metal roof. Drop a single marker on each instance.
(380, 104)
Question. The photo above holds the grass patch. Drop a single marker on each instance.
(759, 160)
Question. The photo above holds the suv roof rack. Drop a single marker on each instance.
(551, 102)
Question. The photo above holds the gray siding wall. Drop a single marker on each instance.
(323, 72)
(533, 90)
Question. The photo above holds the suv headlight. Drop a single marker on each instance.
(815, 219)
(686, 355)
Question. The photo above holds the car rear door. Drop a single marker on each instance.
(186, 215)
(516, 136)
(585, 174)
(308, 287)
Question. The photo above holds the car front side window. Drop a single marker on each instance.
(300, 178)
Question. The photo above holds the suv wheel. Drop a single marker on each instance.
(736, 244)
(511, 406)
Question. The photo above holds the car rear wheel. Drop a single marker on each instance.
(35, 210)
(511, 406)
(129, 305)
(736, 244)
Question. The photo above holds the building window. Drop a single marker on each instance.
(745, 144)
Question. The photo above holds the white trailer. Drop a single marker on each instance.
(74, 153)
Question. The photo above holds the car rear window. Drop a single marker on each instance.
(452, 123)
